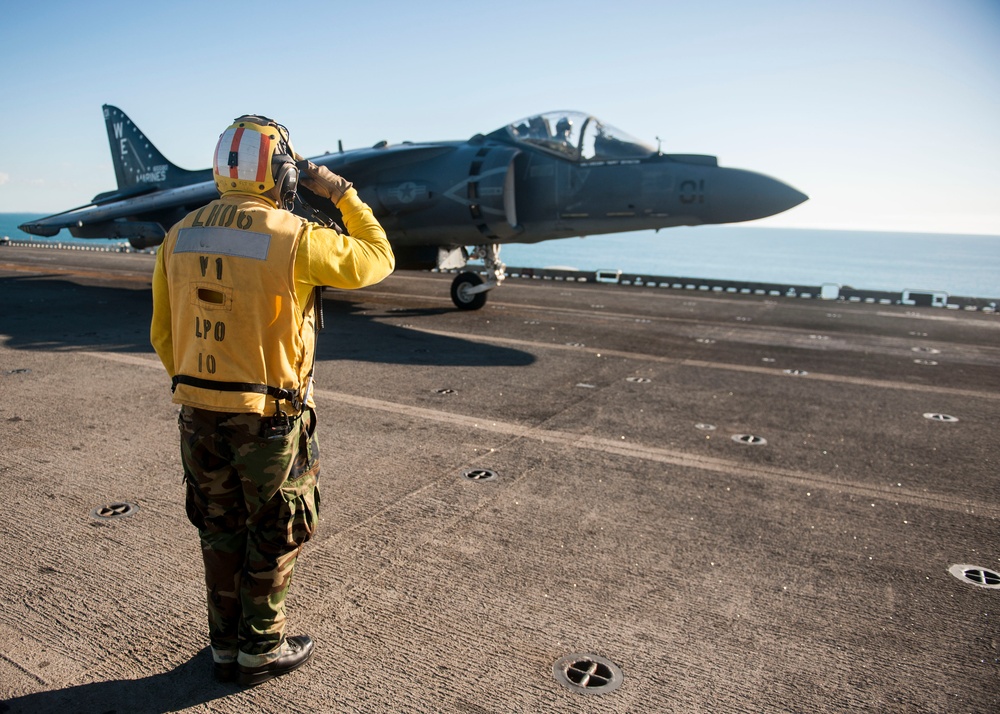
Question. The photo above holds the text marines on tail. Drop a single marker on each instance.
(235, 323)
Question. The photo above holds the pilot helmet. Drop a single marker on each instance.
(564, 126)
(254, 156)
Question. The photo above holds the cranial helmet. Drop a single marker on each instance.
(255, 156)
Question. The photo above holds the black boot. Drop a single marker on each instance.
(292, 653)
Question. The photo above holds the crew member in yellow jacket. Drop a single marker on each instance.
(234, 323)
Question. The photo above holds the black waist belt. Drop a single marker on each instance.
(288, 395)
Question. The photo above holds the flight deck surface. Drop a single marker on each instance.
(742, 503)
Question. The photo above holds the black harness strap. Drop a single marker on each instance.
(287, 395)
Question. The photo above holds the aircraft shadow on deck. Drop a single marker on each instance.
(352, 335)
(51, 313)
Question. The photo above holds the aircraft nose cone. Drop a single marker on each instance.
(746, 196)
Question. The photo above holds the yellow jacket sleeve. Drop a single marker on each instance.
(363, 257)
(159, 330)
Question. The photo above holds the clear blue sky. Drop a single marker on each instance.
(886, 112)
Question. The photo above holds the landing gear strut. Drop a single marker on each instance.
(468, 290)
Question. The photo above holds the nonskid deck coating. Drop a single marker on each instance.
(810, 574)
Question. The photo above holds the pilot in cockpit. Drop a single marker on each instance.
(564, 128)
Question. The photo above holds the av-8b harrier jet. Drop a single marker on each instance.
(555, 175)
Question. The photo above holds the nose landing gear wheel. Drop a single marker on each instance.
(462, 295)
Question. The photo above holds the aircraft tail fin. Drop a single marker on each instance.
(139, 166)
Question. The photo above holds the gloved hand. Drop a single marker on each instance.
(323, 182)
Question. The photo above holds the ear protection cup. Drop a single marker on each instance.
(286, 178)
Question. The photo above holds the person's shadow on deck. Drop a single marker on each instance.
(189, 684)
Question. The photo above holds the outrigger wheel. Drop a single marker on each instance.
(464, 293)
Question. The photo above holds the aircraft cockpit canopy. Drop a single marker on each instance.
(576, 136)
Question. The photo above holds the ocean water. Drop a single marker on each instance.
(965, 265)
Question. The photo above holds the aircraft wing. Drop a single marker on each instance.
(107, 219)
(378, 157)
(142, 212)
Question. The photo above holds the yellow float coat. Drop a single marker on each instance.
(233, 296)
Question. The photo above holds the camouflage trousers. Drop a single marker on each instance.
(255, 502)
